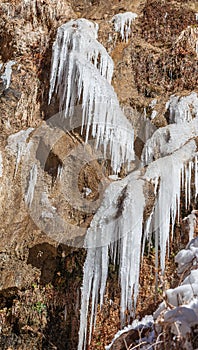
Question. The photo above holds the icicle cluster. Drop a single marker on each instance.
(122, 23)
(18, 146)
(168, 139)
(81, 73)
(117, 230)
(182, 108)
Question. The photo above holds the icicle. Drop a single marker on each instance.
(196, 178)
(121, 216)
(122, 23)
(191, 219)
(169, 169)
(168, 139)
(18, 146)
(31, 185)
(6, 76)
(82, 71)
(186, 186)
(59, 172)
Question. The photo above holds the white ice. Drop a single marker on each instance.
(191, 220)
(29, 196)
(117, 228)
(6, 76)
(18, 146)
(182, 109)
(122, 23)
(81, 72)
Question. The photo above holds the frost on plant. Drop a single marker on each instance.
(81, 72)
(122, 23)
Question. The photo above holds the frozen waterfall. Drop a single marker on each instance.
(116, 232)
(81, 72)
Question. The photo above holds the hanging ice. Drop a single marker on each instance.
(31, 185)
(168, 139)
(182, 109)
(18, 145)
(191, 220)
(6, 76)
(117, 230)
(180, 310)
(122, 23)
(81, 73)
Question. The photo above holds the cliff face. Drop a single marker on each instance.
(40, 275)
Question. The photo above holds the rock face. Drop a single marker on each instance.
(41, 276)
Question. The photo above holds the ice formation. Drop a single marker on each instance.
(168, 139)
(18, 145)
(117, 229)
(6, 76)
(29, 196)
(180, 310)
(146, 321)
(182, 108)
(81, 73)
(122, 23)
(191, 220)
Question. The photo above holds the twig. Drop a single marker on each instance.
(138, 345)
(125, 343)
(156, 343)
